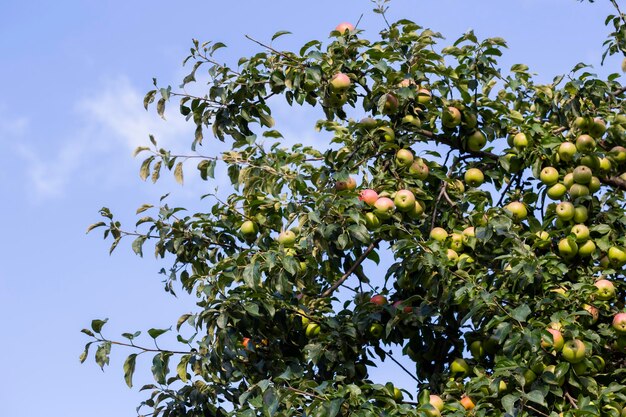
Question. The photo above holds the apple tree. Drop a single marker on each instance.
(497, 201)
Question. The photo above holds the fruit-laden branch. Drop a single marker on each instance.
(354, 266)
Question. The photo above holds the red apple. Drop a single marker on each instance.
(368, 196)
(342, 27)
(391, 104)
(340, 82)
(379, 300)
(557, 340)
(619, 323)
(383, 207)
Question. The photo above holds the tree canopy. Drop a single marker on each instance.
(498, 201)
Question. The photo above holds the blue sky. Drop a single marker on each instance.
(74, 74)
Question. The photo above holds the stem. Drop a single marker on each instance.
(144, 349)
(403, 368)
(354, 266)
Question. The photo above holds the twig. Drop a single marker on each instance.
(145, 349)
(571, 400)
(409, 373)
(274, 50)
(354, 266)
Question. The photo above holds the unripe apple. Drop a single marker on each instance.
(605, 290)
(419, 169)
(384, 207)
(585, 144)
(468, 232)
(456, 242)
(556, 191)
(404, 158)
(349, 184)
(368, 196)
(582, 174)
(582, 123)
(618, 154)
(424, 96)
(566, 151)
(594, 185)
(342, 27)
(312, 330)
(619, 323)
(379, 300)
(376, 330)
(337, 99)
(457, 186)
(605, 165)
(368, 123)
(568, 180)
(452, 255)
(586, 249)
(617, 256)
(557, 340)
(581, 232)
(417, 211)
(590, 161)
(391, 104)
(518, 210)
(340, 82)
(467, 403)
(520, 141)
(412, 120)
(387, 133)
(549, 176)
(476, 141)
(581, 214)
(476, 349)
(404, 200)
(568, 248)
(578, 190)
(470, 120)
(249, 229)
(474, 177)
(372, 222)
(574, 351)
(597, 128)
(287, 238)
(543, 239)
(565, 210)
(451, 117)
(397, 394)
(459, 368)
(439, 234)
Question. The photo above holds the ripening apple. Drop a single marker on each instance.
(404, 200)
(517, 209)
(593, 312)
(617, 256)
(520, 141)
(476, 141)
(565, 210)
(452, 255)
(586, 249)
(581, 232)
(578, 190)
(467, 403)
(340, 82)
(368, 123)
(404, 157)
(424, 96)
(476, 349)
(451, 117)
(619, 323)
(605, 289)
(459, 367)
(574, 351)
(456, 241)
(287, 238)
(585, 144)
(436, 402)
(566, 151)
(556, 191)
(581, 214)
(474, 177)
(557, 340)
(468, 232)
(618, 154)
(439, 234)
(342, 27)
(383, 207)
(391, 104)
(597, 128)
(372, 222)
(388, 134)
(549, 176)
(582, 123)
(349, 184)
(568, 248)
(419, 169)
(406, 82)
(368, 196)
(249, 229)
(379, 300)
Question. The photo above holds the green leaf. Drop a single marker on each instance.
(280, 33)
(181, 369)
(138, 244)
(521, 313)
(536, 396)
(102, 354)
(83, 356)
(93, 226)
(154, 333)
(143, 208)
(96, 325)
(129, 369)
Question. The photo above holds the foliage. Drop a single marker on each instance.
(286, 328)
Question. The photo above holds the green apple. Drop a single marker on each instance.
(568, 180)
(404, 157)
(340, 82)
(419, 169)
(312, 330)
(424, 96)
(556, 191)
(439, 234)
(467, 233)
(372, 222)
(590, 161)
(456, 242)
(581, 232)
(452, 255)
(517, 210)
(605, 165)
(476, 141)
(436, 402)
(581, 214)
(404, 200)
(470, 120)
(476, 349)
(384, 207)
(586, 249)
(549, 176)
(582, 123)
(249, 229)
(618, 154)
(459, 368)
(568, 248)
(368, 123)
(585, 144)
(557, 341)
(565, 210)
(594, 185)
(368, 196)
(578, 190)
(543, 239)
(337, 99)
(451, 117)
(457, 186)
(582, 174)
(597, 128)
(520, 141)
(417, 211)
(409, 119)
(605, 290)
(397, 394)
(474, 177)
(376, 330)
(566, 151)
(287, 238)
(617, 256)
(387, 133)
(574, 351)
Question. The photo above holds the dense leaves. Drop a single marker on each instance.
(501, 246)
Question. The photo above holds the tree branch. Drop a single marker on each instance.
(349, 272)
